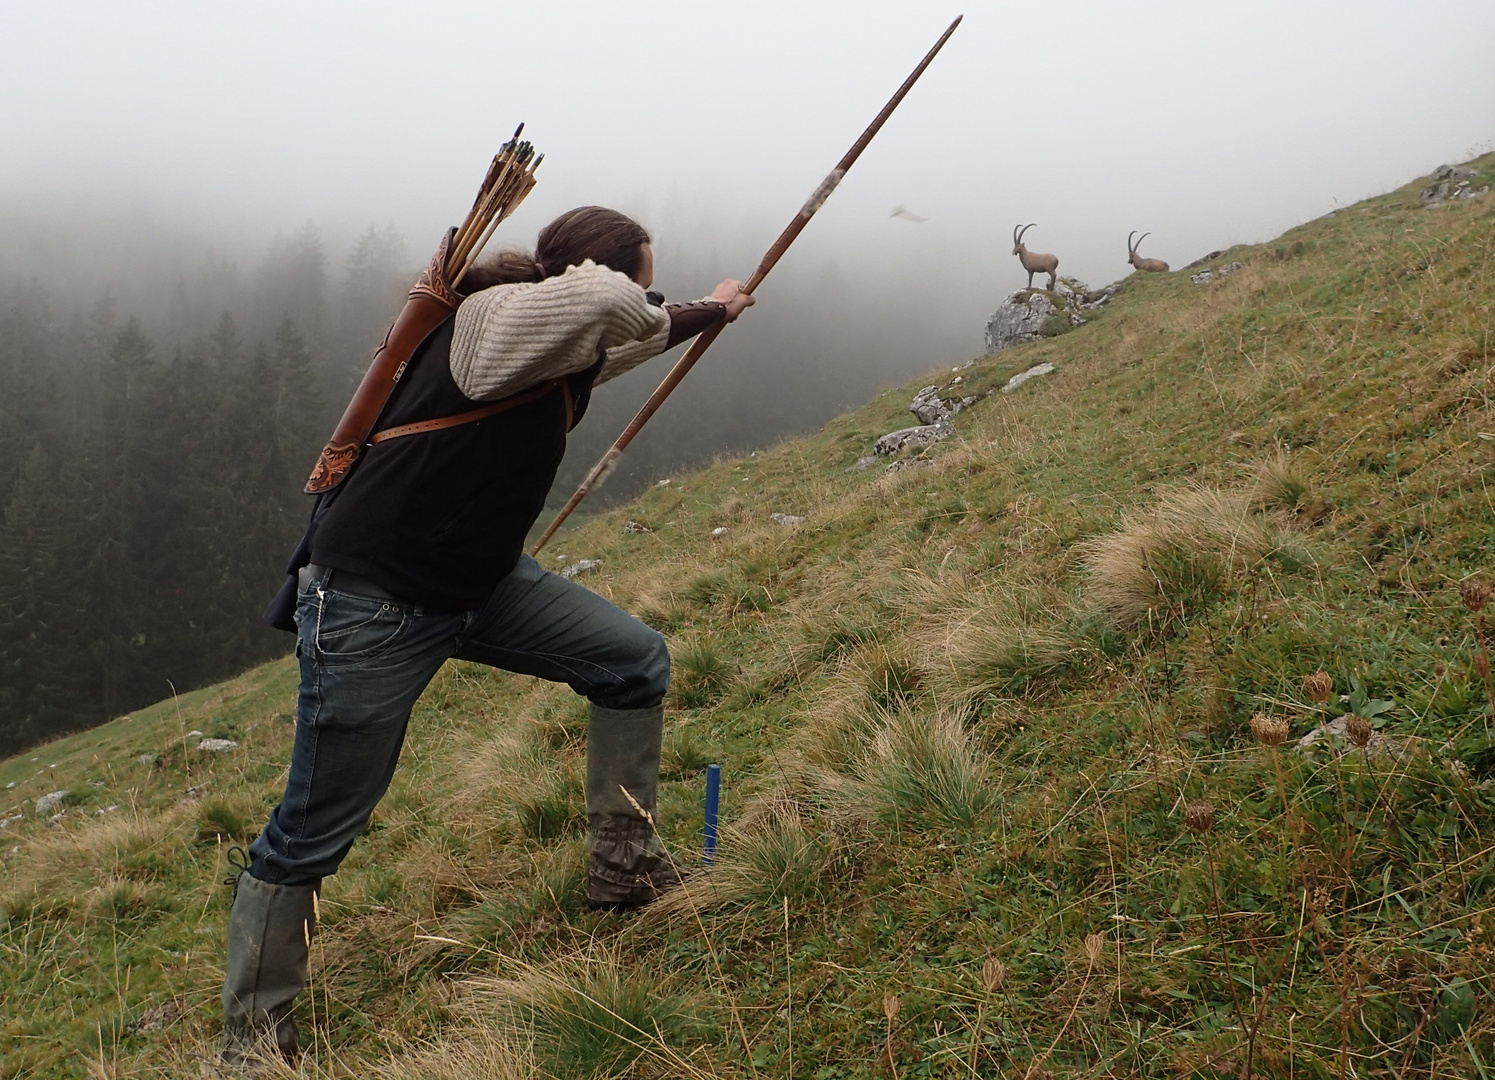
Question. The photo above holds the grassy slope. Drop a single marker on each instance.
(960, 712)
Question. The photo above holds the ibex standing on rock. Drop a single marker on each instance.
(1152, 266)
(1035, 262)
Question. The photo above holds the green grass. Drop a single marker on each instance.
(959, 712)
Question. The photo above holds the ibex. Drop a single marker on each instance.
(1035, 262)
(1152, 266)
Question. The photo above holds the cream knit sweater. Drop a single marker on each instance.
(510, 337)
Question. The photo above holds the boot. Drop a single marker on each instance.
(627, 866)
(269, 939)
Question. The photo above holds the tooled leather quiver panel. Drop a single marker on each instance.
(430, 301)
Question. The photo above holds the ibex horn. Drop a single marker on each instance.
(1019, 239)
(1131, 248)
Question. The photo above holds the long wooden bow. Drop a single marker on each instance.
(703, 342)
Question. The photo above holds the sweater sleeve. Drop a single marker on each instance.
(686, 321)
(511, 337)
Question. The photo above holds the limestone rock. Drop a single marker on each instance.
(1023, 376)
(904, 464)
(930, 408)
(579, 567)
(1211, 257)
(719, 532)
(45, 804)
(6, 823)
(632, 528)
(866, 461)
(217, 746)
(914, 438)
(1020, 319)
(1450, 182)
(1025, 315)
(1205, 276)
(788, 520)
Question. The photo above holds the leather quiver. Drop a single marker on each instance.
(431, 301)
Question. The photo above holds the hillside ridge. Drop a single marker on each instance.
(1137, 726)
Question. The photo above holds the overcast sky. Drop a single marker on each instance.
(1206, 123)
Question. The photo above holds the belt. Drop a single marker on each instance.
(346, 582)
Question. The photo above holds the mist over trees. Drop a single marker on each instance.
(157, 426)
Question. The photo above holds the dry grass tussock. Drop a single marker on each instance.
(1180, 554)
(1279, 485)
(789, 844)
(1001, 640)
(77, 858)
(588, 1016)
(873, 678)
(478, 1055)
(924, 763)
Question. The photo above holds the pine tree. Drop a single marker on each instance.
(41, 612)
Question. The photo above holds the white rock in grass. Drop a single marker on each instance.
(217, 746)
(581, 566)
(720, 532)
(194, 733)
(914, 438)
(1023, 376)
(633, 527)
(49, 802)
(6, 823)
(788, 520)
(146, 759)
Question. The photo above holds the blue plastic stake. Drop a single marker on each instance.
(713, 805)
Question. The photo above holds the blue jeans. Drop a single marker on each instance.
(364, 662)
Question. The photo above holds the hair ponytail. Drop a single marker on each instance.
(604, 236)
(503, 268)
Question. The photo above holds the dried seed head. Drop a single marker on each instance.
(1475, 594)
(1199, 817)
(1093, 945)
(1271, 730)
(1358, 730)
(993, 974)
(1482, 665)
(1318, 686)
(1439, 668)
(890, 1005)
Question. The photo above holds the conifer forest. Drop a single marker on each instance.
(151, 471)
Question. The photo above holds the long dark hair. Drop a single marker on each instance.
(605, 236)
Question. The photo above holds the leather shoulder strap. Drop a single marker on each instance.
(524, 397)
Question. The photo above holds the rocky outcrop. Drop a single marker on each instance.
(45, 804)
(580, 566)
(1023, 376)
(789, 521)
(1450, 182)
(1030, 314)
(1213, 273)
(931, 408)
(914, 438)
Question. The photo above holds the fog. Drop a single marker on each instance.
(209, 213)
(148, 145)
